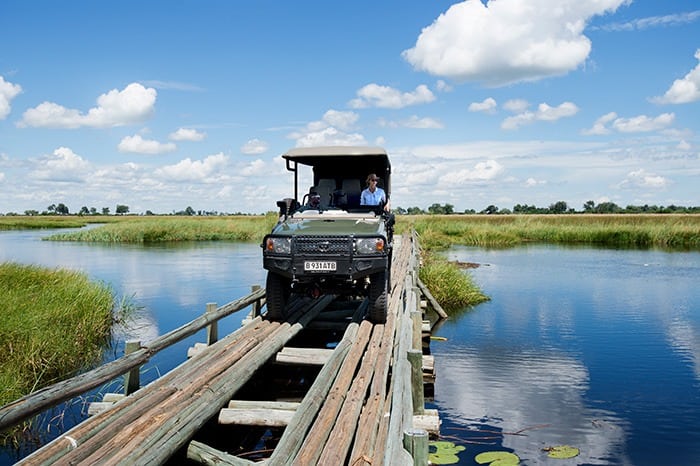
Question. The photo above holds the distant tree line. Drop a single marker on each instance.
(559, 207)
(120, 209)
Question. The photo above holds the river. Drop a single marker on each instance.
(594, 348)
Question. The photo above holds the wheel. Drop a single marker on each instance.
(277, 290)
(378, 285)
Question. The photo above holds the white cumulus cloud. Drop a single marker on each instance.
(133, 104)
(332, 130)
(642, 179)
(488, 105)
(136, 144)
(643, 123)
(187, 134)
(482, 171)
(374, 95)
(685, 90)
(499, 42)
(193, 170)
(63, 165)
(255, 147)
(544, 112)
(8, 91)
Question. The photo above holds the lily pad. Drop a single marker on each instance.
(445, 453)
(562, 452)
(498, 458)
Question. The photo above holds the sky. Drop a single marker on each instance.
(164, 105)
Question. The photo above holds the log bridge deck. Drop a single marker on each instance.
(325, 387)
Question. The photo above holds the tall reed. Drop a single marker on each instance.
(171, 229)
(54, 323)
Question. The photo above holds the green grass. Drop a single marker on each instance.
(671, 231)
(173, 229)
(452, 287)
(54, 323)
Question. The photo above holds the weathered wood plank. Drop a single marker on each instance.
(303, 356)
(429, 421)
(315, 440)
(208, 456)
(295, 433)
(433, 302)
(255, 417)
(254, 404)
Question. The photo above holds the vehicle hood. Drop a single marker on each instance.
(329, 226)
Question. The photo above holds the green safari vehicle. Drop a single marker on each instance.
(325, 241)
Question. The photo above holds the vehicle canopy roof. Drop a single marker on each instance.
(342, 162)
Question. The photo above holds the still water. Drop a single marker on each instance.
(594, 348)
(587, 347)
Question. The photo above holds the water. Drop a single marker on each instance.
(171, 284)
(593, 348)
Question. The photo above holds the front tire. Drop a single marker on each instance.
(378, 285)
(277, 290)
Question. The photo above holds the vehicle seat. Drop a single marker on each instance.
(325, 189)
(352, 189)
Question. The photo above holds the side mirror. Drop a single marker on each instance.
(286, 206)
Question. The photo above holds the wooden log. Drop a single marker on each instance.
(97, 407)
(373, 412)
(208, 456)
(341, 437)
(254, 404)
(113, 397)
(415, 358)
(132, 379)
(415, 441)
(295, 433)
(91, 434)
(172, 433)
(416, 326)
(303, 356)
(255, 417)
(213, 328)
(316, 438)
(428, 421)
(431, 299)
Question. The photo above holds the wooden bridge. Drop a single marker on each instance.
(325, 387)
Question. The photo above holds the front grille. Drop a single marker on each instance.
(323, 245)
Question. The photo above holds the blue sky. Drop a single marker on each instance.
(163, 105)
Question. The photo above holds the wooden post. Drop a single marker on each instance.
(132, 379)
(417, 335)
(415, 357)
(213, 328)
(415, 441)
(255, 312)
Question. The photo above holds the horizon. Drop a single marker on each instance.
(163, 106)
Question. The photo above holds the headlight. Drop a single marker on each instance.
(369, 245)
(278, 245)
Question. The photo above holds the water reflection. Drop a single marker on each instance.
(595, 348)
(535, 399)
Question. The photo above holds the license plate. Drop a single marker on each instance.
(319, 266)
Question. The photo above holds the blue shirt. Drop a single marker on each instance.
(373, 198)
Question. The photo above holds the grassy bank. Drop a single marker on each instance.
(638, 231)
(153, 229)
(54, 323)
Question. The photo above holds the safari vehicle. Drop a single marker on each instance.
(326, 242)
